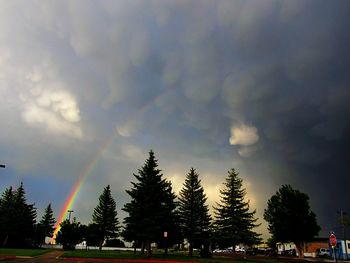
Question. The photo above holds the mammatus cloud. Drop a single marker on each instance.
(244, 136)
(55, 111)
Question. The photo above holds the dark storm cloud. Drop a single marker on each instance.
(262, 86)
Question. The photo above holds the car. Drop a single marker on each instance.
(322, 252)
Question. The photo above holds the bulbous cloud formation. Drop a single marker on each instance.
(260, 85)
(244, 135)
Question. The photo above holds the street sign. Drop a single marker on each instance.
(332, 240)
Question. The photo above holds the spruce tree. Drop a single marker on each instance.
(152, 206)
(7, 216)
(17, 219)
(105, 216)
(234, 222)
(25, 219)
(193, 211)
(46, 226)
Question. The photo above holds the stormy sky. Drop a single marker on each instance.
(259, 86)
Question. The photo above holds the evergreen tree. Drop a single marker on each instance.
(152, 206)
(193, 211)
(25, 219)
(105, 216)
(17, 219)
(46, 226)
(7, 216)
(234, 222)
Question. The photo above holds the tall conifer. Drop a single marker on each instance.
(234, 222)
(105, 216)
(193, 211)
(152, 206)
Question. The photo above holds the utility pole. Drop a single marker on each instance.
(69, 213)
(342, 213)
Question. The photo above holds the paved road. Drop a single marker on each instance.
(45, 258)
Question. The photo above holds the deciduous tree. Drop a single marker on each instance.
(70, 234)
(290, 218)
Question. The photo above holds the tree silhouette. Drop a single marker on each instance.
(46, 226)
(193, 211)
(105, 216)
(17, 218)
(289, 217)
(234, 222)
(152, 206)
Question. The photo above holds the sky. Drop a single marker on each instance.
(88, 88)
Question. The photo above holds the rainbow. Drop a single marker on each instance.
(90, 166)
(77, 186)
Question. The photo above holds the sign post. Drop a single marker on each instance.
(333, 243)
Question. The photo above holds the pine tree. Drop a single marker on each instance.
(45, 227)
(7, 216)
(17, 218)
(234, 222)
(193, 211)
(105, 216)
(25, 219)
(152, 206)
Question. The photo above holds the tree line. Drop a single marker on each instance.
(156, 215)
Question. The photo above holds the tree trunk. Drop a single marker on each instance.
(5, 240)
(190, 248)
(100, 245)
(299, 246)
(143, 247)
(149, 249)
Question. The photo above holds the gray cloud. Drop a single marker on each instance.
(175, 76)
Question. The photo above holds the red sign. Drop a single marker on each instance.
(333, 240)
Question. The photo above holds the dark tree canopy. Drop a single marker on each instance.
(289, 217)
(17, 218)
(105, 216)
(70, 234)
(193, 211)
(46, 226)
(234, 223)
(152, 206)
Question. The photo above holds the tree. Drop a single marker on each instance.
(289, 217)
(70, 234)
(193, 211)
(17, 218)
(152, 206)
(7, 216)
(234, 222)
(46, 226)
(105, 216)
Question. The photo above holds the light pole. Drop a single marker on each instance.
(69, 213)
(342, 214)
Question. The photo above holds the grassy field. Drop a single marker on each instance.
(173, 256)
(23, 252)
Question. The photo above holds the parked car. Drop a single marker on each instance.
(322, 252)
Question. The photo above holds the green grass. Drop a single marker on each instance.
(23, 252)
(175, 256)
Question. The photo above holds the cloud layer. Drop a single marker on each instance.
(258, 85)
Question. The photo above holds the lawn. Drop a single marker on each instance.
(23, 252)
(173, 256)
